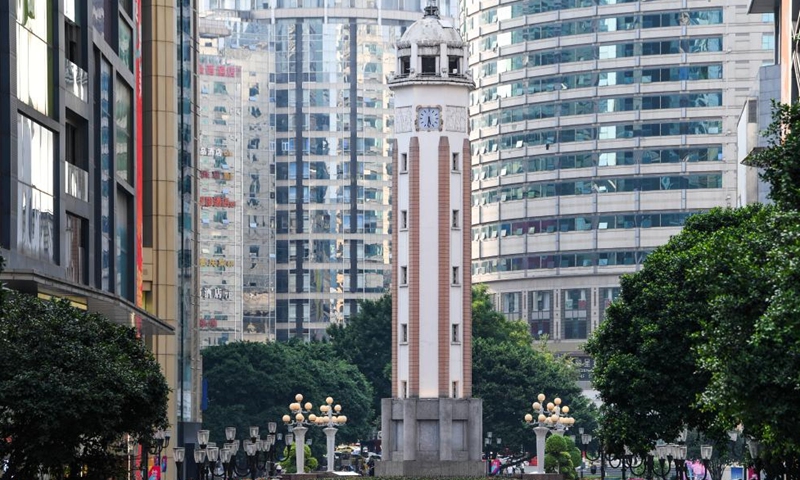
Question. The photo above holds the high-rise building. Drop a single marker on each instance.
(598, 127)
(329, 117)
(235, 184)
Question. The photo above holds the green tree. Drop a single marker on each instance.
(648, 342)
(71, 385)
(711, 319)
(253, 383)
(366, 342)
(561, 456)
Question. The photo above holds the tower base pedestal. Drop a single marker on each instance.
(424, 437)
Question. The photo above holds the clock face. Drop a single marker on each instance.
(428, 118)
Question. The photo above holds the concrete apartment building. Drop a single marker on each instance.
(598, 127)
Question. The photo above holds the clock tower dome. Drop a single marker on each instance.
(432, 425)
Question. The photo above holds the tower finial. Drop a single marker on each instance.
(432, 10)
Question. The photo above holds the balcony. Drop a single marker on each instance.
(76, 80)
(77, 182)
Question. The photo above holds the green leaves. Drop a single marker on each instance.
(253, 383)
(705, 333)
(72, 382)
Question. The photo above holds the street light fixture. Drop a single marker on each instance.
(159, 442)
(552, 417)
(254, 446)
(585, 439)
(297, 423)
(330, 418)
(178, 454)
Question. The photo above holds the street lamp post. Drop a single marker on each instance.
(178, 454)
(159, 443)
(754, 446)
(329, 419)
(253, 446)
(586, 439)
(487, 442)
(299, 429)
(206, 456)
(550, 418)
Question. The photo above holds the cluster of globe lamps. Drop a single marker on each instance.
(302, 416)
(549, 417)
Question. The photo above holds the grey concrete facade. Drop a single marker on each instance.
(431, 437)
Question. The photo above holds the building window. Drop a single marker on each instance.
(512, 305)
(540, 313)
(123, 118)
(455, 389)
(455, 333)
(456, 222)
(403, 275)
(403, 333)
(404, 389)
(404, 162)
(575, 314)
(456, 276)
(456, 163)
(404, 219)
(76, 242)
(123, 241)
(768, 41)
(36, 218)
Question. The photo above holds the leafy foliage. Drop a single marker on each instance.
(72, 384)
(366, 342)
(561, 456)
(711, 319)
(253, 383)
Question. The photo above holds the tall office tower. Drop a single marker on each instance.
(235, 184)
(598, 127)
(432, 425)
(330, 118)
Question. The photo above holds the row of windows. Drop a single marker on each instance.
(530, 7)
(558, 260)
(601, 52)
(605, 132)
(711, 153)
(531, 86)
(592, 25)
(580, 223)
(576, 309)
(590, 106)
(596, 185)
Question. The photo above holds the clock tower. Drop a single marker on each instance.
(432, 425)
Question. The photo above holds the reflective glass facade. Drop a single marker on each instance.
(597, 128)
(313, 169)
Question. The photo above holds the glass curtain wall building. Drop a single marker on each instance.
(598, 127)
(327, 142)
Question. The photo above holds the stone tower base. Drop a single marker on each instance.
(438, 437)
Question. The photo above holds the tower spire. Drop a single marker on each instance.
(432, 10)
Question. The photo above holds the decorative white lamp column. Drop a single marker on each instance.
(298, 425)
(329, 419)
(554, 418)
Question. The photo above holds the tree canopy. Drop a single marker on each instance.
(707, 335)
(72, 384)
(253, 383)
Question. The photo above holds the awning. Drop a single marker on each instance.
(115, 309)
